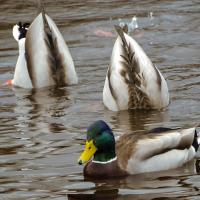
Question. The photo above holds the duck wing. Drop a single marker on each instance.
(158, 151)
(63, 57)
(38, 54)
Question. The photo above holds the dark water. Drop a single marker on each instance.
(42, 132)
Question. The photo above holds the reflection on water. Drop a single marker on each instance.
(98, 194)
(162, 185)
(137, 121)
(42, 131)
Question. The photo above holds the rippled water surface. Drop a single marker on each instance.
(42, 132)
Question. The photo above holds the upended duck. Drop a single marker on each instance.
(159, 149)
(132, 81)
(44, 58)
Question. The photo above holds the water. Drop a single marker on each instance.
(42, 132)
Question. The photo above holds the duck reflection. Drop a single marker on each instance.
(40, 108)
(197, 166)
(138, 186)
(132, 121)
(110, 194)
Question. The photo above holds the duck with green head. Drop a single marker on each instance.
(100, 144)
(136, 153)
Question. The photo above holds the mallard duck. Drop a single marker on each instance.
(44, 58)
(157, 150)
(132, 81)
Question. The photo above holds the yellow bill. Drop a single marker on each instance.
(88, 152)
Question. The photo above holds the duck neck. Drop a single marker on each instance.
(102, 157)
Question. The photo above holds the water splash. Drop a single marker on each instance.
(132, 25)
(121, 23)
(150, 15)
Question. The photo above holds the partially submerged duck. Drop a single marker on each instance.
(132, 80)
(157, 150)
(44, 58)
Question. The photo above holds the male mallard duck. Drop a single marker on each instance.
(44, 59)
(159, 149)
(132, 81)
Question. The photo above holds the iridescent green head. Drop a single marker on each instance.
(100, 143)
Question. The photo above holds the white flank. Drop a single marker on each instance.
(21, 75)
(118, 85)
(145, 158)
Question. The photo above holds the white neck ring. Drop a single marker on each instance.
(102, 162)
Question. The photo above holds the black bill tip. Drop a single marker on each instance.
(80, 162)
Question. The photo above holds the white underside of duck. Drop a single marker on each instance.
(44, 59)
(164, 152)
(118, 84)
(21, 75)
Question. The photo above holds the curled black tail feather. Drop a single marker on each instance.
(195, 143)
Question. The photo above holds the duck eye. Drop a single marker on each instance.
(89, 147)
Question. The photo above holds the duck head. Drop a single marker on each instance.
(100, 144)
(20, 30)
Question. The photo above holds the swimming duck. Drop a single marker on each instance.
(157, 150)
(132, 81)
(44, 58)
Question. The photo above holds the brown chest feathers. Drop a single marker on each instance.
(98, 170)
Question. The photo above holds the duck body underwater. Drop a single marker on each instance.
(132, 81)
(157, 150)
(44, 58)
